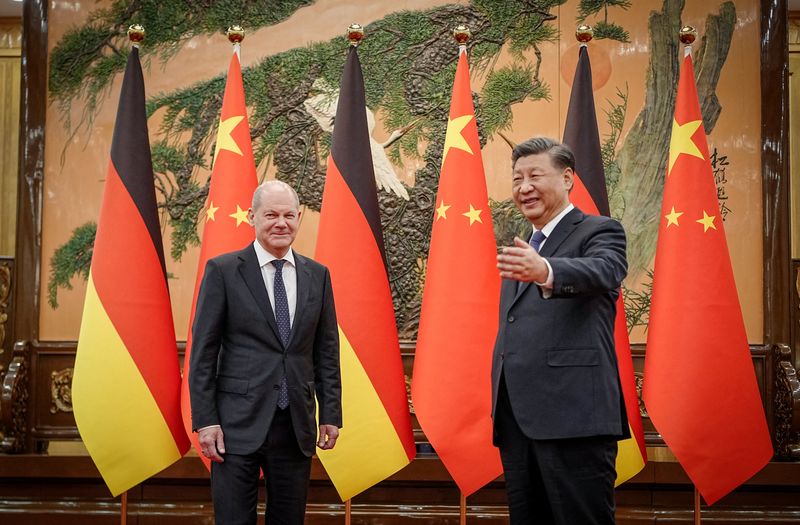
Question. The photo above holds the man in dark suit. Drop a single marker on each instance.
(557, 405)
(265, 342)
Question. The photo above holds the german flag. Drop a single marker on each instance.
(451, 386)
(126, 385)
(376, 440)
(699, 384)
(590, 195)
(230, 193)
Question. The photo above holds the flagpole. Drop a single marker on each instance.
(135, 35)
(697, 515)
(123, 514)
(687, 36)
(348, 511)
(463, 505)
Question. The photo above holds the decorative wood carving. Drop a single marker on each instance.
(14, 401)
(787, 404)
(638, 377)
(5, 293)
(61, 390)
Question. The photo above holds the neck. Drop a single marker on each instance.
(541, 223)
(278, 253)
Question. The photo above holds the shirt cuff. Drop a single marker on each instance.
(209, 426)
(547, 285)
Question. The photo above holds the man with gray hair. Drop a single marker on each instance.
(265, 345)
(556, 398)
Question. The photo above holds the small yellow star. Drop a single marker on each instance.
(240, 215)
(672, 217)
(441, 211)
(473, 214)
(211, 211)
(682, 142)
(707, 221)
(454, 138)
(224, 139)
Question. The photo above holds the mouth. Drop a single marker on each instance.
(529, 202)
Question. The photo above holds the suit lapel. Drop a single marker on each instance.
(251, 274)
(303, 286)
(563, 229)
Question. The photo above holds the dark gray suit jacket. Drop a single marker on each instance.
(557, 355)
(238, 359)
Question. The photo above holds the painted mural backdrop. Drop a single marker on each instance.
(522, 56)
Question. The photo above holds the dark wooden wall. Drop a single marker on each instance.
(38, 485)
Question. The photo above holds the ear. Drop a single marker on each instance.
(250, 217)
(569, 178)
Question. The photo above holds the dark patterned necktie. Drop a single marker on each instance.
(284, 324)
(537, 239)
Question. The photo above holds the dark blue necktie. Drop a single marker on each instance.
(284, 324)
(537, 239)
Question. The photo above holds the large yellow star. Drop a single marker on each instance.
(441, 211)
(473, 214)
(682, 141)
(211, 211)
(672, 217)
(224, 139)
(240, 215)
(454, 138)
(707, 221)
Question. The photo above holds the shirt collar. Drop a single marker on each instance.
(264, 257)
(550, 226)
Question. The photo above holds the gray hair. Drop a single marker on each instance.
(267, 184)
(560, 154)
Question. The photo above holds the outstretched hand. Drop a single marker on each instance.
(522, 263)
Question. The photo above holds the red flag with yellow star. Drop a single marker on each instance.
(230, 193)
(590, 195)
(451, 386)
(699, 385)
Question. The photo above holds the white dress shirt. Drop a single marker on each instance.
(547, 285)
(289, 277)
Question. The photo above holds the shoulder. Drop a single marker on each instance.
(600, 222)
(309, 263)
(232, 258)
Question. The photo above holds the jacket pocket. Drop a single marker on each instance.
(573, 357)
(232, 385)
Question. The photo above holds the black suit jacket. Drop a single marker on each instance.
(238, 358)
(557, 355)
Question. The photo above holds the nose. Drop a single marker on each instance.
(526, 186)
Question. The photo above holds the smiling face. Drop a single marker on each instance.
(539, 188)
(275, 218)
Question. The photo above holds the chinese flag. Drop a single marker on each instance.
(233, 181)
(376, 440)
(590, 195)
(126, 386)
(451, 386)
(699, 385)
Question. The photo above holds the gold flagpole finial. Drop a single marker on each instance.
(688, 35)
(355, 34)
(136, 34)
(461, 34)
(584, 33)
(235, 34)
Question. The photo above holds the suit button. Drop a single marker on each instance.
(510, 318)
(276, 387)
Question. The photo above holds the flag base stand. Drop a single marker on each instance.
(123, 508)
(463, 510)
(697, 514)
